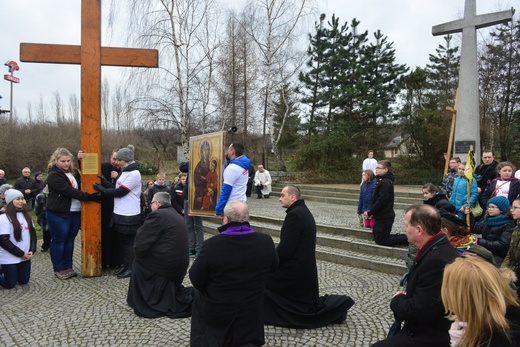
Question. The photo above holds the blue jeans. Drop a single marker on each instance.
(195, 229)
(13, 273)
(63, 233)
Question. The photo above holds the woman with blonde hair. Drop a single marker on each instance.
(63, 210)
(475, 293)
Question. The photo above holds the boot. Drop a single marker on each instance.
(125, 273)
(121, 270)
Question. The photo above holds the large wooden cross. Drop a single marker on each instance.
(467, 127)
(91, 56)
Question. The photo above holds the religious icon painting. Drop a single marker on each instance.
(206, 168)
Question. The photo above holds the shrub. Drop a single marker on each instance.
(148, 169)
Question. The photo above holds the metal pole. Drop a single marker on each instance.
(11, 105)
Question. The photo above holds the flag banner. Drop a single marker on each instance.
(469, 170)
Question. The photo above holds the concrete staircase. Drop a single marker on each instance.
(342, 245)
(349, 194)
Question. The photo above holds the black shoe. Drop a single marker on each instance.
(44, 249)
(266, 196)
(259, 197)
(125, 274)
(120, 271)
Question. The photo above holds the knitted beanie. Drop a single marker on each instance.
(37, 173)
(126, 154)
(501, 202)
(12, 194)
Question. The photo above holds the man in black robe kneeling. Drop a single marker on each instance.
(229, 277)
(161, 262)
(292, 295)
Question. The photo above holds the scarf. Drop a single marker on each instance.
(498, 220)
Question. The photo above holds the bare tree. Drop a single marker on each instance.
(57, 106)
(184, 31)
(40, 109)
(29, 112)
(74, 108)
(105, 102)
(237, 86)
(274, 32)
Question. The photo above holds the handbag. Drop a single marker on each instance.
(477, 210)
(369, 222)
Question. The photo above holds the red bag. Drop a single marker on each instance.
(369, 222)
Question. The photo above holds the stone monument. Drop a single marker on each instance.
(467, 127)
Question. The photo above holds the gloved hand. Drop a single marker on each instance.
(94, 197)
(99, 187)
(106, 183)
(456, 331)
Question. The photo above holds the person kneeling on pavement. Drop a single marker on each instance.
(160, 264)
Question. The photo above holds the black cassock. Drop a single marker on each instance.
(154, 296)
(292, 296)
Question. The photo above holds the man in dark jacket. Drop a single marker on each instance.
(27, 186)
(3, 180)
(178, 194)
(160, 264)
(195, 226)
(383, 207)
(486, 172)
(420, 305)
(158, 186)
(292, 294)
(109, 242)
(229, 277)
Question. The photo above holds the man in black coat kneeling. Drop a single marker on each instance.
(161, 262)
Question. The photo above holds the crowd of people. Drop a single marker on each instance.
(461, 288)
(462, 285)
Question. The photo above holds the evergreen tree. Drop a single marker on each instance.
(427, 94)
(500, 91)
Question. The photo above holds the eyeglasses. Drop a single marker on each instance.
(513, 208)
(154, 202)
(379, 168)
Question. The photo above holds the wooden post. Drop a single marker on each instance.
(448, 154)
(468, 196)
(91, 56)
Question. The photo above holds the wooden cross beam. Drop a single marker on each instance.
(91, 56)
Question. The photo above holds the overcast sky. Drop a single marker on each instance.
(407, 23)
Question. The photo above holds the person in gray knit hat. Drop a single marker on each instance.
(126, 217)
(126, 154)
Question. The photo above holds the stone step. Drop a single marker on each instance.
(348, 195)
(363, 234)
(414, 192)
(338, 245)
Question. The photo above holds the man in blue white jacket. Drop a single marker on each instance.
(236, 175)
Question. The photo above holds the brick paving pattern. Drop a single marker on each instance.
(93, 311)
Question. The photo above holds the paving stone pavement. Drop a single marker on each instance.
(93, 311)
